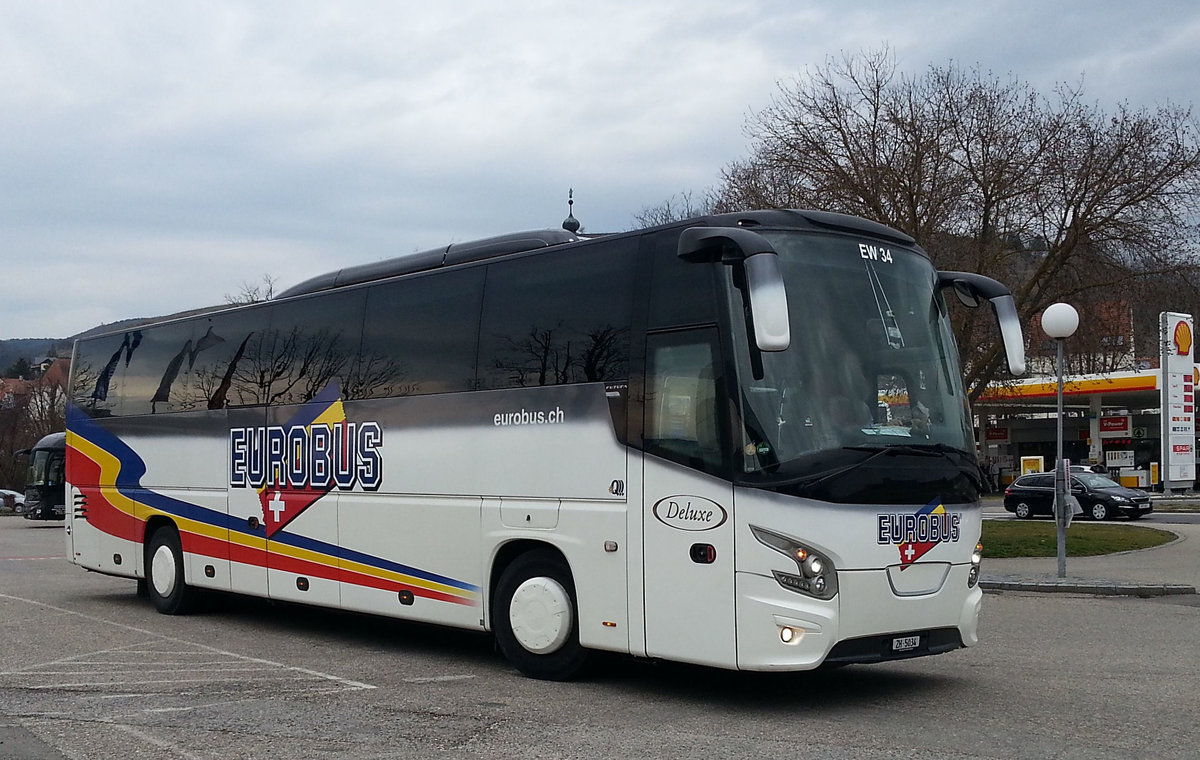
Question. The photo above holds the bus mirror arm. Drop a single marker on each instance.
(1005, 309)
(21, 454)
(764, 280)
(972, 290)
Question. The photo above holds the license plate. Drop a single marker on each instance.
(905, 643)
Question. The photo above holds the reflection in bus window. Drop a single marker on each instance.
(557, 320)
(435, 350)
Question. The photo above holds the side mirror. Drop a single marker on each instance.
(764, 280)
(972, 290)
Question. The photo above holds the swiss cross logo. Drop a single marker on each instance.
(916, 534)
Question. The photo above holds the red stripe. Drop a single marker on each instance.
(318, 570)
(105, 517)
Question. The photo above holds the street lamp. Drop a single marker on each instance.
(1060, 321)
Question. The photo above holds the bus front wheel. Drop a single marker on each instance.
(535, 618)
(164, 573)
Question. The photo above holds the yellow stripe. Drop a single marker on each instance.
(110, 466)
(407, 580)
(321, 558)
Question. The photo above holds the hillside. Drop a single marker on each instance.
(31, 349)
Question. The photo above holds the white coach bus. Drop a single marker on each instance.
(740, 441)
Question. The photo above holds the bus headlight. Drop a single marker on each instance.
(815, 574)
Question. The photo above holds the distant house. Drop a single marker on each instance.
(51, 373)
(56, 372)
(14, 392)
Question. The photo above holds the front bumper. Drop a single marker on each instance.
(860, 625)
(1137, 509)
(40, 512)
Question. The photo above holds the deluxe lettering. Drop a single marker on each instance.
(687, 512)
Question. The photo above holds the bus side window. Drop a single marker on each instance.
(682, 421)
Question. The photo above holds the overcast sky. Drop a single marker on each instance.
(157, 155)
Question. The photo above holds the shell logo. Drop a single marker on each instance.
(1182, 338)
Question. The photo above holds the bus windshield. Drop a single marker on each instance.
(45, 468)
(871, 373)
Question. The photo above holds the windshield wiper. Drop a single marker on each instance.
(964, 460)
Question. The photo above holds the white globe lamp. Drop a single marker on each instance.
(1060, 320)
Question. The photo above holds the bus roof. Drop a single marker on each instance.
(52, 441)
(518, 242)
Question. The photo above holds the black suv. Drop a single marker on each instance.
(1100, 496)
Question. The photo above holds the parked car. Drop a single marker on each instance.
(12, 500)
(1100, 497)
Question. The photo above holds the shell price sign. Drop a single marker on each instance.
(1178, 399)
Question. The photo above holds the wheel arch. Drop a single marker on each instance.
(153, 524)
(505, 555)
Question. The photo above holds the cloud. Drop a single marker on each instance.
(183, 149)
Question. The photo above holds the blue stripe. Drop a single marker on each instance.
(312, 544)
(128, 484)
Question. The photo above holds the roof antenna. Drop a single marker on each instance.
(570, 224)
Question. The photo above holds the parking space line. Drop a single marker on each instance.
(78, 660)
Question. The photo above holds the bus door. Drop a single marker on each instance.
(687, 514)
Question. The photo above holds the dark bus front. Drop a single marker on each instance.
(45, 495)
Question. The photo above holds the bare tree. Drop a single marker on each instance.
(264, 290)
(1050, 194)
(673, 209)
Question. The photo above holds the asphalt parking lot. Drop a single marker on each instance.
(90, 671)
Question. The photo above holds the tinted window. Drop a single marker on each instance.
(558, 317)
(420, 336)
(682, 290)
(221, 372)
(309, 344)
(98, 372)
(158, 374)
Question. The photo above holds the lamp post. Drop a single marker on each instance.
(1060, 321)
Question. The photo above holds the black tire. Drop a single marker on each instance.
(1100, 511)
(537, 593)
(1023, 511)
(164, 573)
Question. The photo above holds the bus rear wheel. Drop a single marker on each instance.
(535, 618)
(164, 573)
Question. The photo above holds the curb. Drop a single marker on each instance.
(1096, 587)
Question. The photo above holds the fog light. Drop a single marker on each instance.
(787, 634)
(973, 576)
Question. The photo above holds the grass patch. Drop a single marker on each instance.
(1003, 539)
